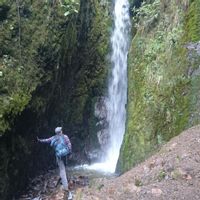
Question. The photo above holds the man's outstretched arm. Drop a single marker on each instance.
(48, 140)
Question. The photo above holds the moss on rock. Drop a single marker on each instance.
(192, 22)
(87, 72)
(52, 69)
(159, 88)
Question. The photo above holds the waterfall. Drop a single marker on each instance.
(117, 88)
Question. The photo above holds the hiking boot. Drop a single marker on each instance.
(66, 194)
(69, 196)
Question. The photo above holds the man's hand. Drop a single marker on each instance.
(38, 139)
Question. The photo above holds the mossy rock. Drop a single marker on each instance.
(159, 86)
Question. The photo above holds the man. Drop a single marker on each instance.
(62, 147)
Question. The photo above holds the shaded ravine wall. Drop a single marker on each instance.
(68, 58)
(163, 77)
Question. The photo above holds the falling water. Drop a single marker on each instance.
(117, 89)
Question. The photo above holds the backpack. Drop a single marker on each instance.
(58, 143)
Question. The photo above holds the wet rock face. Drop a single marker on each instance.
(193, 56)
(100, 109)
(101, 115)
(101, 130)
(85, 70)
(194, 46)
(94, 155)
(103, 137)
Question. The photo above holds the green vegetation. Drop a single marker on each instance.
(52, 69)
(29, 45)
(70, 6)
(138, 182)
(160, 88)
(192, 23)
(87, 69)
(149, 12)
(161, 175)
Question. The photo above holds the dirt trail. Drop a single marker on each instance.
(172, 173)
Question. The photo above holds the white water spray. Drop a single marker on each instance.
(117, 89)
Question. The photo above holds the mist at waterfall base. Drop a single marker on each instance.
(117, 88)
